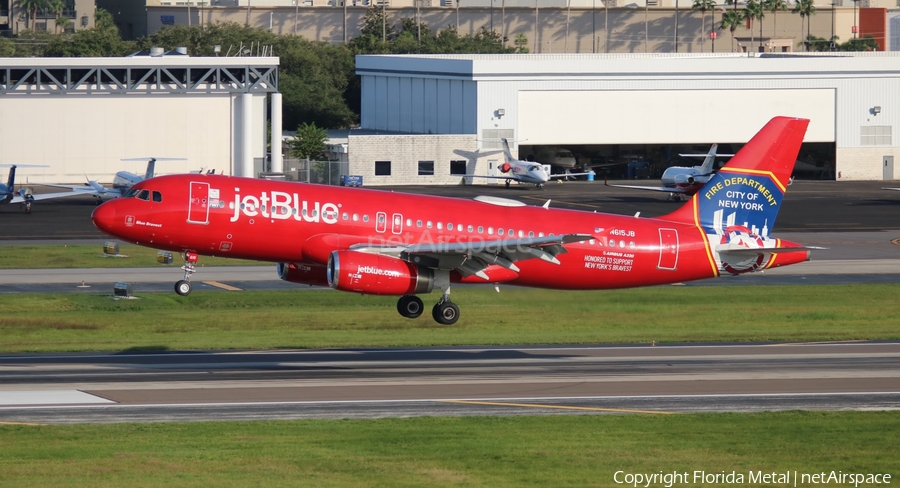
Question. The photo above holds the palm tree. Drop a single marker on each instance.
(57, 7)
(63, 22)
(774, 6)
(33, 6)
(703, 6)
(731, 20)
(805, 8)
(754, 10)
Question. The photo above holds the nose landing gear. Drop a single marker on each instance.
(183, 287)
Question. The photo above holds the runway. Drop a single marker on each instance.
(619, 379)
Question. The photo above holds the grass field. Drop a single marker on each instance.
(436, 452)
(314, 318)
(85, 256)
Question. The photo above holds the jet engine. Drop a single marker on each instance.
(684, 179)
(376, 274)
(303, 273)
(505, 167)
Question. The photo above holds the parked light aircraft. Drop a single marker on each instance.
(524, 171)
(123, 181)
(685, 180)
(8, 193)
(386, 243)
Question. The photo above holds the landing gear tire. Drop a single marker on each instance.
(445, 313)
(410, 306)
(507, 183)
(183, 287)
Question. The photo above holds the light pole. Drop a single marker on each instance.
(855, 25)
(676, 26)
(712, 35)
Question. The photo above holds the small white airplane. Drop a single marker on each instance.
(897, 189)
(25, 196)
(685, 180)
(122, 182)
(524, 171)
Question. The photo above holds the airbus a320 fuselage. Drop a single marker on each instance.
(387, 243)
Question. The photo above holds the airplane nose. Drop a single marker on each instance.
(104, 217)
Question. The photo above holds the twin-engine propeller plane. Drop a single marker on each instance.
(524, 171)
(25, 196)
(685, 181)
(385, 243)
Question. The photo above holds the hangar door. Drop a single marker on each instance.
(667, 116)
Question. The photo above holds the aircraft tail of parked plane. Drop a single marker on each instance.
(387, 243)
(684, 180)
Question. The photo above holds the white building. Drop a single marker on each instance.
(81, 116)
(461, 104)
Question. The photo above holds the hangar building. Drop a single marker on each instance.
(81, 116)
(609, 109)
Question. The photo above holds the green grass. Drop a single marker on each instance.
(429, 452)
(323, 318)
(86, 256)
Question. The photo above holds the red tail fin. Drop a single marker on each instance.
(749, 188)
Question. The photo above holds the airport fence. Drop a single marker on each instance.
(322, 172)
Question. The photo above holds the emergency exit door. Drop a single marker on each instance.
(668, 249)
(198, 208)
(888, 168)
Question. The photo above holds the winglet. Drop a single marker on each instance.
(546, 204)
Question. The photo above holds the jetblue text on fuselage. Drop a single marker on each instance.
(281, 205)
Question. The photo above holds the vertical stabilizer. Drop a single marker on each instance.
(151, 169)
(748, 190)
(506, 152)
(11, 182)
(707, 166)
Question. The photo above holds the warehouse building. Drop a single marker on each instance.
(609, 110)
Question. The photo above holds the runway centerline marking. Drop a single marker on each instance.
(222, 286)
(560, 407)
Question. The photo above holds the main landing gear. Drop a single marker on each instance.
(444, 311)
(183, 287)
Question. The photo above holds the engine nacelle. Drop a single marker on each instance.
(684, 179)
(505, 167)
(303, 273)
(376, 274)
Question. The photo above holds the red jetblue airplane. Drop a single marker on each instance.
(384, 243)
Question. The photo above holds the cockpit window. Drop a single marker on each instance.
(157, 196)
(534, 168)
(130, 193)
(144, 195)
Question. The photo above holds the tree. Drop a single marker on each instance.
(32, 6)
(57, 7)
(101, 40)
(308, 142)
(754, 10)
(806, 9)
(63, 23)
(703, 6)
(774, 6)
(521, 43)
(731, 20)
(7, 48)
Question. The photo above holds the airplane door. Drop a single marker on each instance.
(380, 222)
(397, 224)
(668, 249)
(198, 208)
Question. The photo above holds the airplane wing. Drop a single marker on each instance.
(673, 189)
(897, 189)
(90, 188)
(565, 175)
(20, 198)
(513, 178)
(473, 258)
